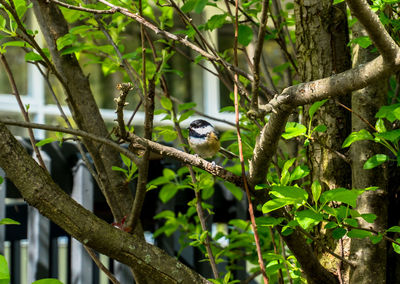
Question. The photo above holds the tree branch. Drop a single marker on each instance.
(141, 143)
(382, 40)
(257, 57)
(40, 191)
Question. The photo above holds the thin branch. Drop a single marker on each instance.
(199, 208)
(280, 275)
(125, 64)
(282, 242)
(64, 116)
(83, 9)
(140, 143)
(357, 114)
(246, 186)
(257, 56)
(24, 112)
(325, 248)
(121, 103)
(100, 265)
(374, 232)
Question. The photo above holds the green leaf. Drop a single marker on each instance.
(188, 6)
(351, 222)
(294, 129)
(20, 7)
(1, 179)
(396, 247)
(308, 218)
(286, 231)
(320, 128)
(186, 115)
(388, 112)
(16, 43)
(8, 221)
(215, 22)
(118, 169)
(274, 204)
(236, 191)
(185, 106)
(199, 7)
(268, 221)
(67, 39)
(370, 218)
(337, 1)
(360, 234)
(394, 229)
(375, 238)
(380, 125)
(166, 214)
(341, 195)
(315, 106)
(357, 136)
(2, 23)
(316, 190)
(47, 281)
(331, 225)
(127, 162)
(363, 41)
(169, 174)
(45, 141)
(167, 192)
(245, 35)
(260, 186)
(33, 56)
(392, 136)
(166, 103)
(375, 161)
(4, 272)
(207, 192)
(285, 175)
(299, 172)
(339, 233)
(293, 193)
(80, 30)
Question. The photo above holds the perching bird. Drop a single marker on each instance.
(203, 139)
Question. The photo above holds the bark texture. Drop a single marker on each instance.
(321, 38)
(371, 259)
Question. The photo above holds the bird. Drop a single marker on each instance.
(204, 141)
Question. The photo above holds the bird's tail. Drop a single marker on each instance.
(228, 153)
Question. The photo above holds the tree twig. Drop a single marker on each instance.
(100, 265)
(124, 89)
(69, 125)
(257, 57)
(250, 204)
(24, 112)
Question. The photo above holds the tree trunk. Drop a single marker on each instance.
(321, 40)
(322, 37)
(370, 258)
